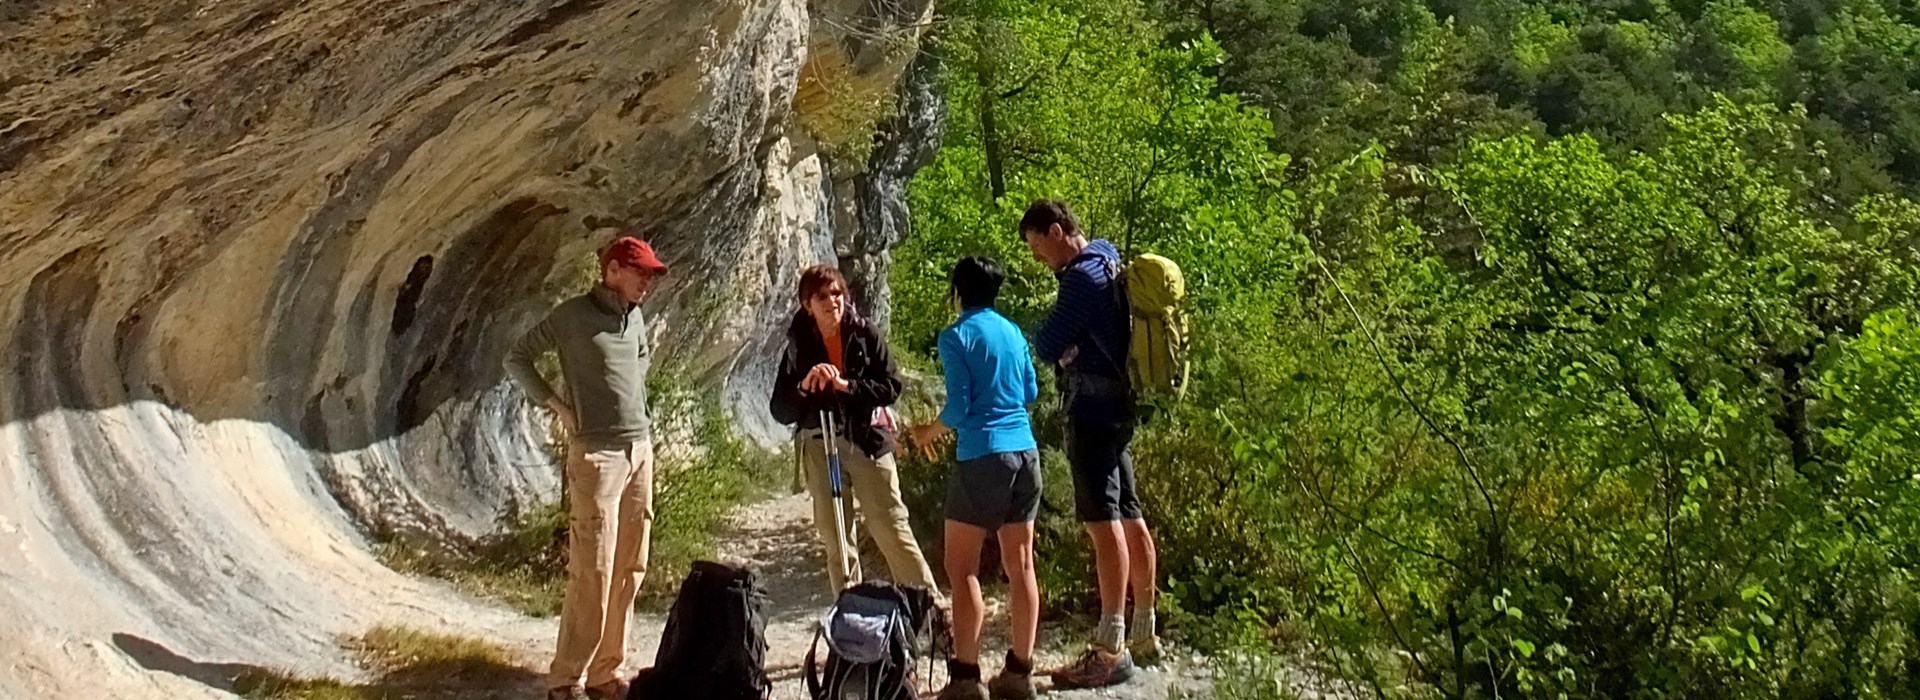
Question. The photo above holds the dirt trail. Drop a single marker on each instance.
(776, 538)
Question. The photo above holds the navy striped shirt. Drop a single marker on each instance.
(1087, 314)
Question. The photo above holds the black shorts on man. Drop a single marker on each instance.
(994, 490)
(1099, 427)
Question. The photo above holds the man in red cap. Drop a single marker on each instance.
(601, 340)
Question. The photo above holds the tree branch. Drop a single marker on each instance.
(1031, 79)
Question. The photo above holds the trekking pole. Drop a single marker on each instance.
(833, 482)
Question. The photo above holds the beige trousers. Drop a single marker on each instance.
(871, 488)
(609, 523)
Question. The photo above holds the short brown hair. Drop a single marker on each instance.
(815, 279)
(1043, 214)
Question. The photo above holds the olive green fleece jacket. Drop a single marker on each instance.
(602, 344)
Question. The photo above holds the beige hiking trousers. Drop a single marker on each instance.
(870, 488)
(609, 521)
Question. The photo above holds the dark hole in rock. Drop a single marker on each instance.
(408, 302)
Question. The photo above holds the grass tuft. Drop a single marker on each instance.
(407, 662)
(266, 684)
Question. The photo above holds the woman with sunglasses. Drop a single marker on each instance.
(836, 362)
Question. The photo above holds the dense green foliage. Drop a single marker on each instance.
(1624, 406)
(1422, 75)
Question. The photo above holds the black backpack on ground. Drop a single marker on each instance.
(714, 646)
(873, 636)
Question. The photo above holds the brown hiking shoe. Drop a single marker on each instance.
(963, 690)
(1011, 686)
(1147, 652)
(1098, 668)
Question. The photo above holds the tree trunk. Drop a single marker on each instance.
(989, 95)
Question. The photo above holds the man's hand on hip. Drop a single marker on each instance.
(565, 413)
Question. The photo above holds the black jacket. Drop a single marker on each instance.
(874, 382)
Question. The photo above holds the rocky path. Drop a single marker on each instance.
(776, 538)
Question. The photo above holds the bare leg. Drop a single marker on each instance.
(1023, 586)
(1145, 561)
(963, 577)
(1110, 562)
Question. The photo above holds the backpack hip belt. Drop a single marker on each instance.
(1096, 386)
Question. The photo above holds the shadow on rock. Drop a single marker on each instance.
(464, 678)
(155, 657)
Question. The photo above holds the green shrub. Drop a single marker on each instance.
(1546, 420)
(696, 490)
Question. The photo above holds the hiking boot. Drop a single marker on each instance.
(1098, 668)
(1011, 686)
(1147, 652)
(963, 690)
(610, 690)
(570, 692)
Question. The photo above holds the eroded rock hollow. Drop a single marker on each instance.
(259, 261)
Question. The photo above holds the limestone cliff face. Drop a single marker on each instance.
(260, 259)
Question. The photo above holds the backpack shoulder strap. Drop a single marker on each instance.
(812, 670)
(1117, 284)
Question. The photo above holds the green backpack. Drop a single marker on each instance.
(1156, 296)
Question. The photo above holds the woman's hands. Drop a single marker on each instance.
(927, 438)
(822, 377)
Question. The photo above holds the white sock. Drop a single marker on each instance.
(1144, 625)
(1112, 629)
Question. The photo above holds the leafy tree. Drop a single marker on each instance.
(1534, 368)
(1741, 48)
(1327, 70)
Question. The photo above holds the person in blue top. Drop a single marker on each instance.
(995, 488)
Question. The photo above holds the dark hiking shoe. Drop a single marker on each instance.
(610, 690)
(1098, 668)
(1011, 686)
(571, 692)
(963, 690)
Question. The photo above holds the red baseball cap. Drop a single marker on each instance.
(632, 252)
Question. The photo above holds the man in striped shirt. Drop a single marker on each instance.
(1086, 336)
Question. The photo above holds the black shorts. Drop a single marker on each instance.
(993, 490)
(1103, 481)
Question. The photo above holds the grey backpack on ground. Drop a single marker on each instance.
(873, 635)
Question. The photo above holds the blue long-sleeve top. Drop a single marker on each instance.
(990, 381)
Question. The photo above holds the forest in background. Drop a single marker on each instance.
(1544, 349)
